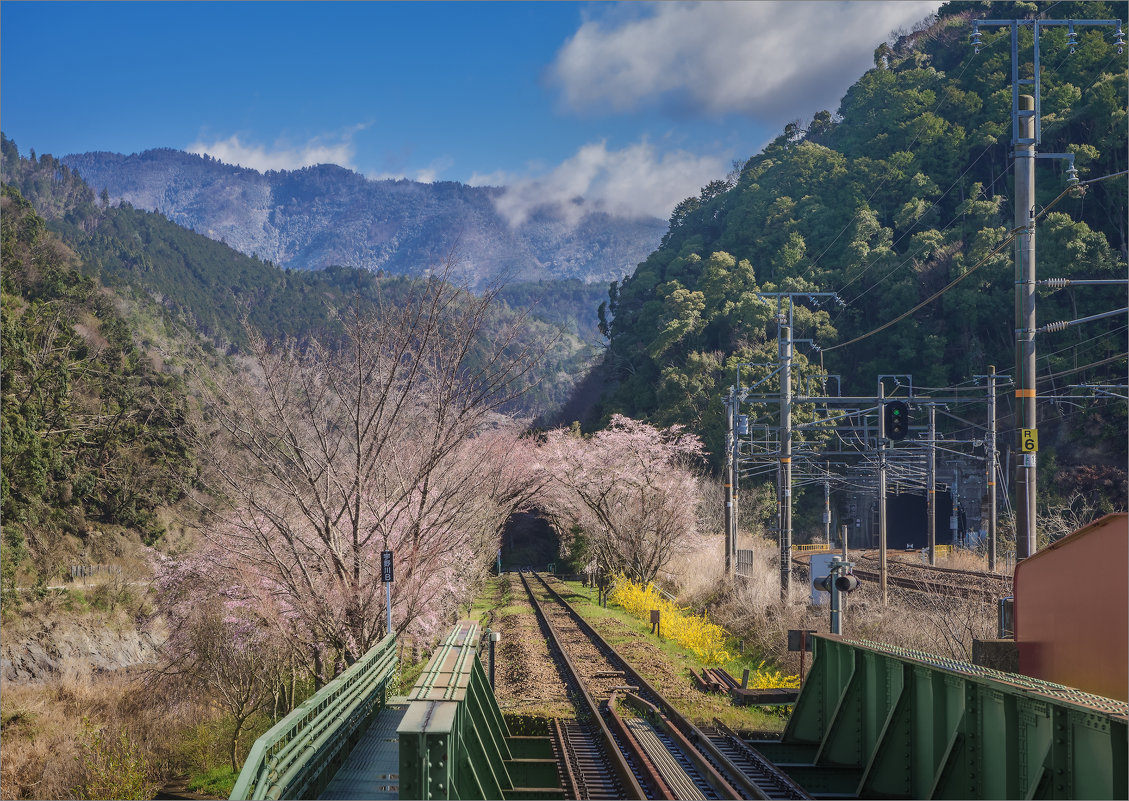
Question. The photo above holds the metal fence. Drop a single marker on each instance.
(297, 756)
(744, 562)
(89, 571)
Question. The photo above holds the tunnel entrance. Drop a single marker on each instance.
(907, 525)
(528, 540)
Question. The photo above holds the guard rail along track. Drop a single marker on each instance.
(668, 756)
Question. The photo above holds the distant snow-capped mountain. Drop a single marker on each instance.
(327, 215)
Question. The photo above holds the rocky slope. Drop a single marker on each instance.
(327, 215)
(44, 648)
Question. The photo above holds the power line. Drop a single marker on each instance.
(1083, 367)
(1010, 238)
(907, 232)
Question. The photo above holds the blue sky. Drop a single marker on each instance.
(632, 106)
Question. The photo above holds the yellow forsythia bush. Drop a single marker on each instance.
(706, 640)
(767, 678)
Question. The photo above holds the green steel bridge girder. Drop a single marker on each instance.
(297, 757)
(454, 742)
(877, 721)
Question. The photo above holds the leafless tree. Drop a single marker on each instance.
(327, 455)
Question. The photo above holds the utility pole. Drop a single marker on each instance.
(931, 485)
(735, 476)
(1026, 133)
(785, 461)
(1025, 325)
(990, 460)
(827, 508)
(882, 491)
(729, 449)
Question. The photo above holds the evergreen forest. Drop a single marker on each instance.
(902, 196)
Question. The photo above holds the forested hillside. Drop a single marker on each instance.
(327, 215)
(213, 290)
(887, 201)
(95, 432)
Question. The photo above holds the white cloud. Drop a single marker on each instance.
(258, 157)
(771, 60)
(425, 175)
(634, 182)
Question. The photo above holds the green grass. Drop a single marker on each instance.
(75, 601)
(217, 782)
(409, 675)
(495, 602)
(483, 608)
(619, 627)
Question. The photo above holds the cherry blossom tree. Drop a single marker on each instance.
(633, 490)
(218, 648)
(322, 456)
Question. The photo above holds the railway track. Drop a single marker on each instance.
(664, 754)
(924, 578)
(593, 765)
(943, 580)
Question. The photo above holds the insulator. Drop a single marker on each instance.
(1051, 328)
(1057, 283)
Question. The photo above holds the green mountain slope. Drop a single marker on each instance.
(885, 203)
(213, 289)
(95, 433)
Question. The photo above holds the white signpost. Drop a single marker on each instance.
(820, 568)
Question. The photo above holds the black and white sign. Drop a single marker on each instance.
(386, 567)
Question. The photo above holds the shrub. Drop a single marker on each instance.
(113, 767)
(707, 641)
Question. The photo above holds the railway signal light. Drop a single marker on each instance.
(843, 583)
(839, 583)
(897, 419)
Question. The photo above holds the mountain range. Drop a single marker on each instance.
(327, 215)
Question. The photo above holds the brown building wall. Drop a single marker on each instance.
(1072, 610)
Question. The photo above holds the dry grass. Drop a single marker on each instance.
(55, 734)
(753, 611)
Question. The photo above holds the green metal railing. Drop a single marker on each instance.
(298, 756)
(454, 742)
(879, 721)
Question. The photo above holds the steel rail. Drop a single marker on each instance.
(993, 585)
(726, 773)
(611, 754)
